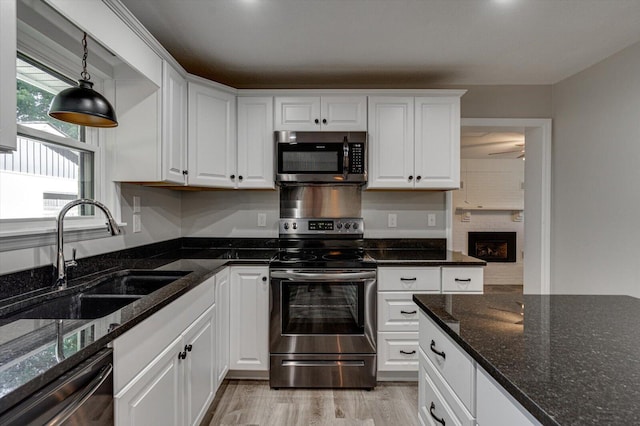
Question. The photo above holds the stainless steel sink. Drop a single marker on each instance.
(106, 295)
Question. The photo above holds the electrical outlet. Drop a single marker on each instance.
(136, 204)
(262, 219)
(392, 220)
(137, 223)
(431, 219)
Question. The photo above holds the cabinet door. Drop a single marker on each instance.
(437, 143)
(222, 324)
(297, 113)
(495, 407)
(212, 146)
(249, 345)
(391, 142)
(343, 113)
(200, 367)
(8, 138)
(174, 125)
(255, 143)
(155, 396)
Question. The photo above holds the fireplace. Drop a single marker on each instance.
(492, 246)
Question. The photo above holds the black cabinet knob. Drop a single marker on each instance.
(232, 177)
(240, 177)
(324, 121)
(410, 177)
(418, 178)
(264, 278)
(316, 121)
(188, 348)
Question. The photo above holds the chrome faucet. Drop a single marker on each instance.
(61, 264)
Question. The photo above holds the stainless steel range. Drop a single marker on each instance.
(323, 306)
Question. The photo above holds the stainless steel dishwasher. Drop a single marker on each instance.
(81, 396)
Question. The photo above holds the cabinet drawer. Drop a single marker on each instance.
(437, 401)
(462, 280)
(397, 312)
(448, 360)
(409, 279)
(397, 351)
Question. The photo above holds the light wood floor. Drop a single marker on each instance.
(244, 402)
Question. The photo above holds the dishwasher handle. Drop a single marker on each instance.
(82, 396)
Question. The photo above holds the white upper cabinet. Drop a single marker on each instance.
(212, 138)
(414, 142)
(391, 142)
(8, 140)
(437, 143)
(255, 143)
(174, 126)
(326, 113)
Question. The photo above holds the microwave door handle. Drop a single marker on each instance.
(345, 164)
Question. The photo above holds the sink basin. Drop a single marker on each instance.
(76, 306)
(108, 295)
(135, 282)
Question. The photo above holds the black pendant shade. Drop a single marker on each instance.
(84, 106)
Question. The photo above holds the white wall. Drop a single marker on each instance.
(160, 215)
(596, 178)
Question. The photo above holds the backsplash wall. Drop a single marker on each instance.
(235, 213)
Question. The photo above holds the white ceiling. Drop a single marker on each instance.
(488, 143)
(388, 43)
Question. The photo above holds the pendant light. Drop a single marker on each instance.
(82, 105)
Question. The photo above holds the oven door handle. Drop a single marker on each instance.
(292, 275)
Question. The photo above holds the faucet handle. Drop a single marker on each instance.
(72, 262)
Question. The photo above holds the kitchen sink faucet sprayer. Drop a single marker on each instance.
(61, 264)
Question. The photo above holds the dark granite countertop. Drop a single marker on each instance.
(568, 359)
(27, 347)
(28, 358)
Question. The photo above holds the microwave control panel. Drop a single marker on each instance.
(356, 156)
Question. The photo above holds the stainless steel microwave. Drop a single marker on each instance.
(321, 157)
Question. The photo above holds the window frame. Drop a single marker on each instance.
(25, 233)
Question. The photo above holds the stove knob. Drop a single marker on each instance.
(286, 225)
(294, 225)
(339, 225)
(355, 226)
(347, 225)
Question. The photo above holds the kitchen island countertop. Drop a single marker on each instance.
(568, 359)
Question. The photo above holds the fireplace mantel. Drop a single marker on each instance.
(517, 212)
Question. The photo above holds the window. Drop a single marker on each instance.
(53, 163)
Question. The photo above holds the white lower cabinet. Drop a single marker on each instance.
(249, 318)
(165, 368)
(398, 314)
(453, 390)
(222, 324)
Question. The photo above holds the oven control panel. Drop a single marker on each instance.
(323, 226)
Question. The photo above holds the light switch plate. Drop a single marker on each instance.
(392, 220)
(431, 219)
(262, 219)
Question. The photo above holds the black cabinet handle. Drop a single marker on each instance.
(433, 407)
(461, 280)
(409, 313)
(232, 176)
(264, 278)
(407, 353)
(437, 352)
(240, 177)
(185, 172)
(316, 121)
(410, 177)
(407, 279)
(182, 355)
(418, 178)
(324, 121)
(188, 348)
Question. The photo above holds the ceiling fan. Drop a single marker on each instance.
(521, 151)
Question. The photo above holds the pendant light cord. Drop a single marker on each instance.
(84, 74)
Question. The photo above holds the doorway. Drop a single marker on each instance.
(537, 196)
